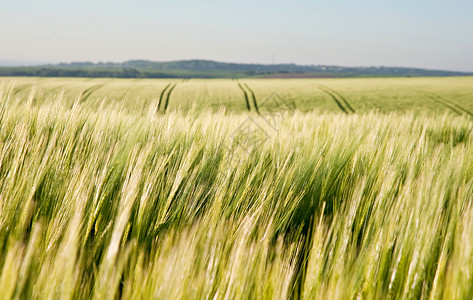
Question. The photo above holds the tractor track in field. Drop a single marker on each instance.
(451, 105)
(161, 96)
(245, 94)
(87, 92)
(168, 96)
(334, 98)
(253, 97)
(452, 108)
(17, 89)
(338, 98)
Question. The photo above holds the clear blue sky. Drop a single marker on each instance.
(435, 34)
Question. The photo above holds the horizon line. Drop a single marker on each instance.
(19, 63)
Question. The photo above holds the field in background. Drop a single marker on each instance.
(419, 95)
(339, 189)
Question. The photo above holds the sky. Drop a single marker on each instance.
(433, 34)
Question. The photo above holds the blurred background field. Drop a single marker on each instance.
(418, 95)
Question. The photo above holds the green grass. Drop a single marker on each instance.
(107, 198)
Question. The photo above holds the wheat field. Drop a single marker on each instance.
(108, 197)
(385, 95)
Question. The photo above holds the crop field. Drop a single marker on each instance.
(236, 189)
(417, 95)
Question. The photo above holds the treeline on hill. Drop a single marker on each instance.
(82, 72)
(211, 69)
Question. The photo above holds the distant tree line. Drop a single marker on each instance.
(208, 69)
(59, 72)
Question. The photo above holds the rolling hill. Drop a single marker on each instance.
(212, 69)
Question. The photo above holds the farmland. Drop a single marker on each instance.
(385, 95)
(249, 188)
